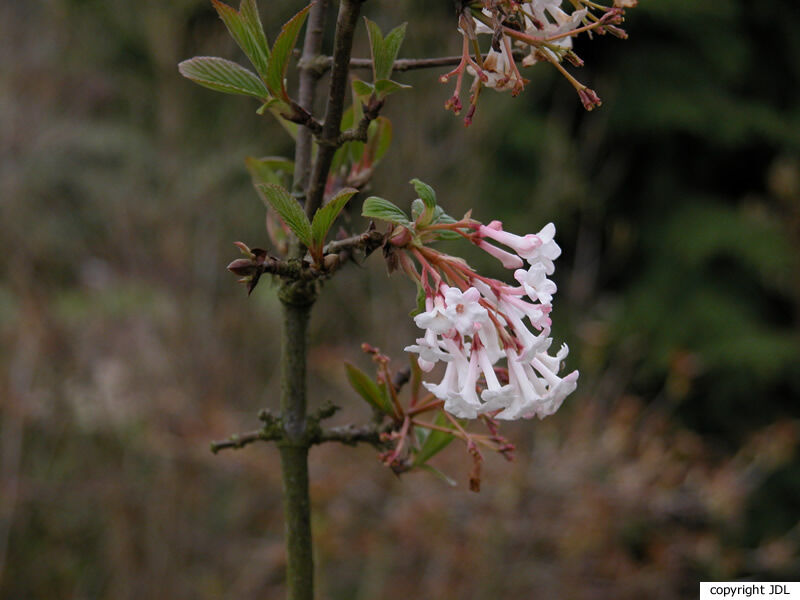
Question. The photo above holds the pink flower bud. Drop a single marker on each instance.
(510, 261)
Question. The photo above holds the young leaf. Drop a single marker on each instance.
(375, 45)
(367, 389)
(384, 50)
(416, 372)
(417, 208)
(282, 51)
(289, 210)
(342, 153)
(288, 126)
(251, 18)
(439, 216)
(378, 208)
(426, 193)
(384, 87)
(427, 197)
(223, 76)
(269, 169)
(437, 473)
(363, 90)
(420, 307)
(389, 51)
(435, 442)
(245, 27)
(325, 216)
(379, 137)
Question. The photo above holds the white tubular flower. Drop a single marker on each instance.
(453, 374)
(491, 343)
(430, 351)
(510, 261)
(495, 395)
(465, 403)
(536, 284)
(556, 395)
(537, 313)
(522, 245)
(464, 310)
(539, 396)
(529, 389)
(539, 345)
(545, 28)
(554, 362)
(435, 317)
(513, 320)
(448, 385)
(558, 388)
(499, 70)
(548, 251)
(486, 291)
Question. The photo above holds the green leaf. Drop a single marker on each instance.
(416, 376)
(378, 208)
(435, 442)
(391, 47)
(289, 210)
(251, 18)
(417, 208)
(384, 87)
(269, 169)
(363, 90)
(343, 152)
(426, 193)
(288, 126)
(245, 27)
(439, 216)
(325, 216)
(428, 198)
(367, 389)
(223, 76)
(420, 308)
(375, 45)
(379, 137)
(384, 50)
(437, 473)
(282, 51)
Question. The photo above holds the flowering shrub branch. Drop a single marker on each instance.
(492, 336)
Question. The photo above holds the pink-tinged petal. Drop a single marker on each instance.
(424, 365)
(509, 261)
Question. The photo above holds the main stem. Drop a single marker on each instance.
(297, 297)
(294, 448)
(297, 301)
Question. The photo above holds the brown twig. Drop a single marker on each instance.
(407, 64)
(353, 434)
(359, 132)
(368, 241)
(240, 440)
(302, 117)
(340, 69)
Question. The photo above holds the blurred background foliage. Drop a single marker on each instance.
(125, 346)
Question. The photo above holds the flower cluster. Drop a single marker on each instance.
(531, 31)
(472, 323)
